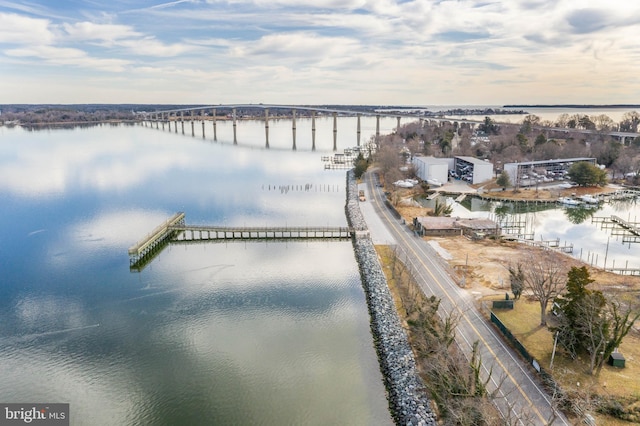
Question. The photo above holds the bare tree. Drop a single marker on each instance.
(592, 326)
(620, 322)
(623, 165)
(546, 278)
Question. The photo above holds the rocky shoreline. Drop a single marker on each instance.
(406, 393)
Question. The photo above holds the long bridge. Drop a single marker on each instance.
(174, 230)
(178, 115)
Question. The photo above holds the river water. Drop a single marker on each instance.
(210, 333)
(207, 333)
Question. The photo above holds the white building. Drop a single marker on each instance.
(431, 169)
(472, 170)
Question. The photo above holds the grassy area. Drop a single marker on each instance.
(620, 384)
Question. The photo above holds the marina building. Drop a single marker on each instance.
(472, 170)
(531, 172)
(432, 170)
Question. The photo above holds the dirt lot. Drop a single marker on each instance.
(487, 277)
(543, 193)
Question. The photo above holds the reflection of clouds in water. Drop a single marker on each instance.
(589, 239)
(49, 313)
(118, 158)
(105, 387)
(114, 158)
(109, 230)
(115, 229)
(245, 264)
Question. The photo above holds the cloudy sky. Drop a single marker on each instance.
(410, 52)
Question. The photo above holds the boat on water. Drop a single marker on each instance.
(567, 201)
(589, 199)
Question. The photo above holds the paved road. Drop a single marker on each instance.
(519, 396)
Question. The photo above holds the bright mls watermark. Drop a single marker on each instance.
(36, 414)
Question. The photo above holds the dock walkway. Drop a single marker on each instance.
(160, 234)
(202, 233)
(175, 230)
(631, 227)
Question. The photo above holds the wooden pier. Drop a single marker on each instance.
(205, 233)
(629, 226)
(175, 230)
(624, 271)
(157, 237)
(548, 245)
(629, 231)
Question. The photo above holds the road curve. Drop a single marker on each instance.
(520, 398)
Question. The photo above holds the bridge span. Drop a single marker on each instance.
(176, 115)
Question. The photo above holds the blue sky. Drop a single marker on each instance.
(422, 52)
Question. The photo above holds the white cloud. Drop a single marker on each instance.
(18, 29)
(438, 48)
(69, 56)
(103, 32)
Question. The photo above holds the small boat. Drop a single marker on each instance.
(403, 184)
(567, 201)
(589, 199)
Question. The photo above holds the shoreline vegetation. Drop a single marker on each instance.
(577, 106)
(51, 114)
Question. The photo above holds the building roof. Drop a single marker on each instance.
(478, 224)
(559, 160)
(474, 160)
(437, 222)
(431, 160)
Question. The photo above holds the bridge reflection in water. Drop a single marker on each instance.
(174, 230)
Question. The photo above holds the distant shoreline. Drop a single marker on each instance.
(574, 106)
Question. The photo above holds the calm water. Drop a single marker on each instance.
(213, 333)
(591, 242)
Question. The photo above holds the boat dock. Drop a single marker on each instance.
(629, 226)
(629, 231)
(548, 245)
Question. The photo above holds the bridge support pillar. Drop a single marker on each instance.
(193, 130)
(215, 134)
(398, 126)
(182, 121)
(202, 118)
(162, 120)
(313, 130)
(233, 115)
(293, 127)
(266, 127)
(377, 126)
(175, 122)
(358, 131)
(335, 131)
